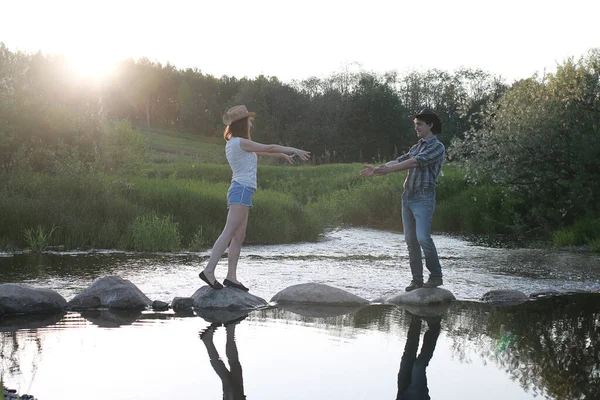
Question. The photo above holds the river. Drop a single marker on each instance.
(480, 352)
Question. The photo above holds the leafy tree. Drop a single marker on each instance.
(541, 140)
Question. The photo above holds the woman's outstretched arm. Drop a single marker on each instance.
(286, 157)
(249, 145)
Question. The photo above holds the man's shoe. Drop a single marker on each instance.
(433, 282)
(414, 285)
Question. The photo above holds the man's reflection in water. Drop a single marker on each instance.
(233, 383)
(412, 381)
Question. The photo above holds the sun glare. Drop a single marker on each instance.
(93, 66)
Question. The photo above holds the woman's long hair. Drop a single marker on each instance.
(238, 128)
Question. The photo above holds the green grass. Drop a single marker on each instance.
(583, 232)
(170, 146)
(38, 239)
(153, 233)
(100, 211)
(180, 202)
(181, 148)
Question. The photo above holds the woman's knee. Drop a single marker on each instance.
(227, 235)
(238, 239)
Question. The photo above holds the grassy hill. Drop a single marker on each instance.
(170, 146)
(174, 147)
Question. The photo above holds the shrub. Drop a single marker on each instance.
(38, 239)
(595, 245)
(584, 231)
(153, 233)
(204, 237)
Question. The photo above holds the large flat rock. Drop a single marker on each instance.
(229, 298)
(504, 297)
(110, 292)
(422, 296)
(21, 298)
(317, 293)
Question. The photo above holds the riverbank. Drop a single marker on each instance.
(172, 207)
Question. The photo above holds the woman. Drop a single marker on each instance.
(241, 154)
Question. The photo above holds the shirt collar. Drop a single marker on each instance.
(428, 140)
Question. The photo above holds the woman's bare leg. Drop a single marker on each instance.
(235, 247)
(236, 217)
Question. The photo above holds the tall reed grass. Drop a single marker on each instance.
(38, 239)
(583, 232)
(153, 233)
(99, 211)
(292, 204)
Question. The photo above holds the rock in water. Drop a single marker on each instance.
(317, 293)
(112, 292)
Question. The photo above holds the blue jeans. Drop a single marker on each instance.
(417, 211)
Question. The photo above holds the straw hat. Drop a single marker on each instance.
(429, 113)
(236, 113)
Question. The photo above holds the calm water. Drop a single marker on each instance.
(549, 348)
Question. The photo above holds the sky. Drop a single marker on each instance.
(299, 39)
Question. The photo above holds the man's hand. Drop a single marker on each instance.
(381, 170)
(367, 171)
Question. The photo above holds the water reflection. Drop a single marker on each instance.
(412, 378)
(231, 379)
(548, 348)
(12, 323)
(111, 318)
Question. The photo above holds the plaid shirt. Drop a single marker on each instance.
(430, 155)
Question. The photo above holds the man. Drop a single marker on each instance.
(424, 162)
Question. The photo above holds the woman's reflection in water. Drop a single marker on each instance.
(412, 381)
(233, 383)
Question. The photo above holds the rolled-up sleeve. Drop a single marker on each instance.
(430, 154)
(403, 157)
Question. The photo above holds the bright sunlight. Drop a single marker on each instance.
(88, 64)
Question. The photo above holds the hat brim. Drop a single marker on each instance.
(239, 117)
(434, 116)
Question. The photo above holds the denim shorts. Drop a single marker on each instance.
(240, 194)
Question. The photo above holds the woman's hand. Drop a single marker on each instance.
(303, 154)
(288, 158)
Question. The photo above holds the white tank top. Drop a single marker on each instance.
(243, 163)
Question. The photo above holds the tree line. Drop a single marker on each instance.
(350, 116)
(346, 117)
